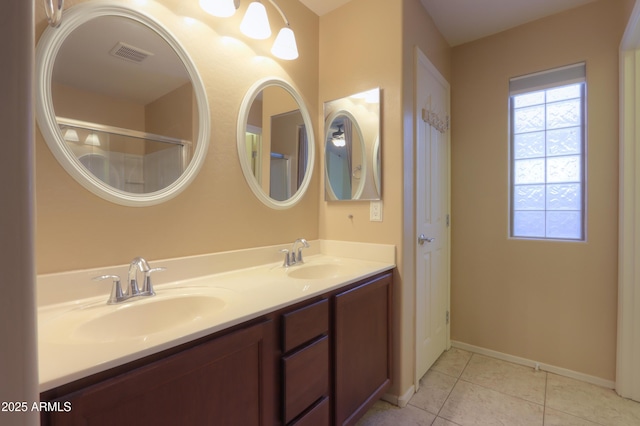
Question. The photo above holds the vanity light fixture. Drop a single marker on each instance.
(255, 24)
(92, 140)
(71, 135)
(285, 45)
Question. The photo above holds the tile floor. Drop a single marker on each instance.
(466, 389)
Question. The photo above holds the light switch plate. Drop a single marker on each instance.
(375, 211)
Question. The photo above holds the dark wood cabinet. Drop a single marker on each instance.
(305, 362)
(362, 348)
(225, 381)
(318, 363)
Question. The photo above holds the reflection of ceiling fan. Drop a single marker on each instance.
(338, 137)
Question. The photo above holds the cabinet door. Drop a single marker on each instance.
(362, 348)
(226, 381)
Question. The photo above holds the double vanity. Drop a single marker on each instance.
(280, 335)
(232, 338)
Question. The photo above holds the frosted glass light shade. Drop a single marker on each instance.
(71, 135)
(92, 140)
(255, 23)
(221, 8)
(285, 46)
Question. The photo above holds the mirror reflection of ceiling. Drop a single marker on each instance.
(102, 72)
(461, 21)
(121, 104)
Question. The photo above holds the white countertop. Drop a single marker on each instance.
(249, 292)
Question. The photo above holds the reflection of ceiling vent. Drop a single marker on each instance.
(129, 53)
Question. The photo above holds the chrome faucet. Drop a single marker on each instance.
(118, 295)
(137, 263)
(292, 257)
(297, 255)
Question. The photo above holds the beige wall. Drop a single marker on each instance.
(359, 50)
(366, 44)
(420, 30)
(218, 211)
(172, 115)
(552, 302)
(69, 102)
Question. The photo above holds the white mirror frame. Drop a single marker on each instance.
(46, 52)
(243, 118)
(330, 194)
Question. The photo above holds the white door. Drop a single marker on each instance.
(432, 205)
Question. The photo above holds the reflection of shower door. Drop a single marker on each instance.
(280, 179)
(339, 176)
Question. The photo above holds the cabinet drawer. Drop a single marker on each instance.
(305, 324)
(306, 377)
(317, 416)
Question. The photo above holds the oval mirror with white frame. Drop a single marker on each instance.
(121, 104)
(352, 147)
(275, 143)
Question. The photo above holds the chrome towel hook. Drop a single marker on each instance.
(53, 9)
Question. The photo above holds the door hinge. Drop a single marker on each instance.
(447, 317)
(447, 220)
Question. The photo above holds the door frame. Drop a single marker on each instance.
(410, 237)
(628, 346)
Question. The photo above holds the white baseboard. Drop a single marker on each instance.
(402, 400)
(529, 363)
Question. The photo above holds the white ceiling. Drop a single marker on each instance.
(320, 7)
(461, 21)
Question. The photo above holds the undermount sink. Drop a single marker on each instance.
(317, 271)
(136, 319)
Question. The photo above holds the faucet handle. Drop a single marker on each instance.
(116, 290)
(287, 259)
(147, 289)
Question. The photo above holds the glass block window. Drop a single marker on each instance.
(548, 154)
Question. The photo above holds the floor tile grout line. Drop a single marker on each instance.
(452, 388)
(495, 390)
(549, 396)
(561, 411)
(502, 393)
(445, 400)
(544, 404)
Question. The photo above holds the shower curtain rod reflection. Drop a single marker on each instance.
(120, 131)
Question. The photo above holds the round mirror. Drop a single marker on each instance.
(352, 157)
(275, 143)
(345, 162)
(121, 104)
